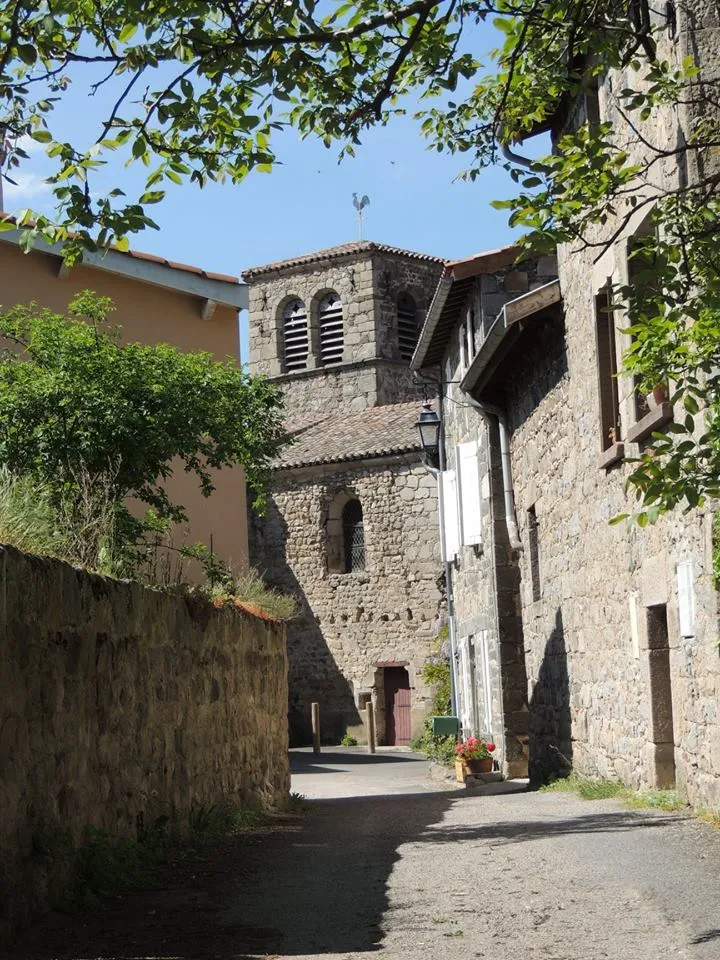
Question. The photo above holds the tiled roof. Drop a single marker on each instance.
(331, 438)
(333, 253)
(174, 265)
(139, 255)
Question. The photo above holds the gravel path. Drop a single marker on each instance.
(386, 860)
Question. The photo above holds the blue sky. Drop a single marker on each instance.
(306, 202)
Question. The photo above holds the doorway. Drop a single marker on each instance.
(398, 724)
(661, 709)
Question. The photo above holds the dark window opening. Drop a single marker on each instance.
(661, 707)
(407, 326)
(534, 553)
(353, 536)
(607, 370)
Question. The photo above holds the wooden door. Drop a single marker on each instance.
(398, 727)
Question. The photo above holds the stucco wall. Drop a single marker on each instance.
(150, 314)
(119, 705)
(350, 622)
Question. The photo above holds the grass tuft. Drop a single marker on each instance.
(249, 592)
(28, 520)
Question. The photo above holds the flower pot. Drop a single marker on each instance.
(480, 765)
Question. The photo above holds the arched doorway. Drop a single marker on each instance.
(398, 716)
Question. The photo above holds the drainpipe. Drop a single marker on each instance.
(487, 410)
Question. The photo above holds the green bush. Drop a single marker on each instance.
(348, 741)
(439, 748)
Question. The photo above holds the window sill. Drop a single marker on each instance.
(663, 413)
(614, 454)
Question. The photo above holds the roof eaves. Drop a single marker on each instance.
(356, 248)
(352, 457)
(431, 320)
(147, 268)
(524, 307)
(458, 270)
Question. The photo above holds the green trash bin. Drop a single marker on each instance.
(445, 726)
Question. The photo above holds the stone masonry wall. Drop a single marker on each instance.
(350, 622)
(119, 705)
(368, 285)
(485, 582)
(593, 654)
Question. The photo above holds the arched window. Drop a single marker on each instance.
(330, 321)
(353, 536)
(407, 326)
(295, 335)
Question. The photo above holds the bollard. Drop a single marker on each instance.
(315, 711)
(370, 727)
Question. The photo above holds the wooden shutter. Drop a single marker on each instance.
(470, 503)
(451, 531)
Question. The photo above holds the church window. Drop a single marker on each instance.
(295, 336)
(353, 536)
(330, 321)
(407, 326)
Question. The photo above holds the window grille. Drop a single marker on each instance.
(407, 326)
(295, 336)
(353, 536)
(330, 317)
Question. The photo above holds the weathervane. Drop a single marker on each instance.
(360, 204)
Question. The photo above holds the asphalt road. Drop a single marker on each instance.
(388, 862)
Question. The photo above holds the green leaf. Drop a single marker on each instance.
(127, 32)
(27, 53)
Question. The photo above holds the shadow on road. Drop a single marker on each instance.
(522, 831)
(310, 886)
(707, 936)
(308, 762)
(314, 886)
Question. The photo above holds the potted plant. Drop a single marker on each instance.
(473, 755)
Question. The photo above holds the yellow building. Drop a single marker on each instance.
(156, 301)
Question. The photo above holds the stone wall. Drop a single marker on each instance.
(485, 581)
(350, 623)
(615, 686)
(119, 705)
(368, 284)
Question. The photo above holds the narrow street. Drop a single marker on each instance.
(388, 860)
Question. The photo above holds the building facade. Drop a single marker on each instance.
(155, 301)
(351, 529)
(618, 625)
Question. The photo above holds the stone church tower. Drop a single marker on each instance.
(351, 529)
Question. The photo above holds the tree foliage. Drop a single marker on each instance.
(196, 91)
(79, 408)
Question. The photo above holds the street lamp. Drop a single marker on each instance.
(429, 428)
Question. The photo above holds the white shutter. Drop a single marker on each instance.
(686, 599)
(450, 528)
(470, 504)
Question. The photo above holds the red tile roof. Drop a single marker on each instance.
(333, 253)
(329, 438)
(140, 255)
